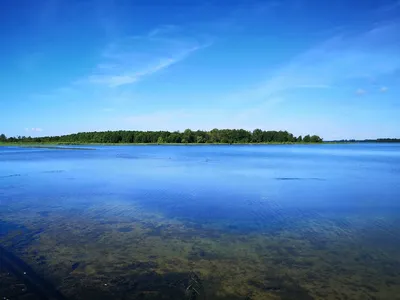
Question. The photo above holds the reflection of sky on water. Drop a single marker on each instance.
(209, 182)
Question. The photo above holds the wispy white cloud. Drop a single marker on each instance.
(132, 58)
(383, 89)
(314, 86)
(33, 129)
(127, 60)
(340, 59)
(361, 92)
(126, 75)
(162, 30)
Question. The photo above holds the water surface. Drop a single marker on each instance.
(262, 222)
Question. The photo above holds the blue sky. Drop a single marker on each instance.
(331, 69)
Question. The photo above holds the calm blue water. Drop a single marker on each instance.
(325, 216)
(209, 183)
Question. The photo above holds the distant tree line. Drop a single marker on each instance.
(383, 140)
(225, 136)
(387, 140)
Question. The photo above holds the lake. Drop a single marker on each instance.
(212, 222)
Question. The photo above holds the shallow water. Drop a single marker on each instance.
(262, 222)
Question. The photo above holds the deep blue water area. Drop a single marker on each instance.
(209, 182)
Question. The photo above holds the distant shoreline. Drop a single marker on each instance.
(150, 144)
(58, 145)
(215, 136)
(187, 137)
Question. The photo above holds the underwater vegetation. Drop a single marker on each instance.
(125, 252)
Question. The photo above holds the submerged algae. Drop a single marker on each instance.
(126, 252)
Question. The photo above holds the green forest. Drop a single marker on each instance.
(215, 136)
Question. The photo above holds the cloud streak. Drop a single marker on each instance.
(314, 86)
(361, 92)
(133, 58)
(383, 89)
(33, 129)
(339, 60)
(130, 75)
